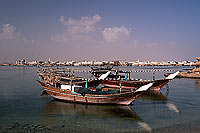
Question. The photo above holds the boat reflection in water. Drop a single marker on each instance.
(197, 83)
(158, 98)
(113, 117)
(154, 96)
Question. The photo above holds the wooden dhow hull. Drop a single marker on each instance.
(134, 84)
(68, 96)
(157, 84)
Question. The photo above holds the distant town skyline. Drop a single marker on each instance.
(148, 30)
(24, 62)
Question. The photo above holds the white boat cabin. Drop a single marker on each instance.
(73, 88)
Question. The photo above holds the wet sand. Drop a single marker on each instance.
(189, 127)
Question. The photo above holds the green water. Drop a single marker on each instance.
(23, 109)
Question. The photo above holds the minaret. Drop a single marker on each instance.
(49, 61)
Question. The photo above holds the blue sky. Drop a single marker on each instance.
(155, 30)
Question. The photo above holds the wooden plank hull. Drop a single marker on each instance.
(157, 84)
(120, 98)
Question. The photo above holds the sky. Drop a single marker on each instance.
(128, 30)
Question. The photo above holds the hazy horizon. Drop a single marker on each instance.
(152, 30)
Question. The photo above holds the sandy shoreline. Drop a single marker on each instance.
(189, 127)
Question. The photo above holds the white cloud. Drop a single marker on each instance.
(9, 32)
(74, 28)
(116, 34)
(85, 30)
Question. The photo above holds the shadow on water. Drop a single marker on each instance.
(156, 98)
(103, 111)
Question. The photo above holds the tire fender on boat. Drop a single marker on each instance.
(83, 94)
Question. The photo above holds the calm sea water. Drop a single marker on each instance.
(22, 108)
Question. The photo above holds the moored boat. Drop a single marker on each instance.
(133, 84)
(105, 79)
(94, 97)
